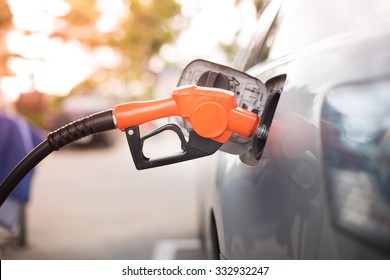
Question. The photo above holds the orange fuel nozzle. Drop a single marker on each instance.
(212, 112)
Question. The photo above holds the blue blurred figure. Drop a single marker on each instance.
(17, 139)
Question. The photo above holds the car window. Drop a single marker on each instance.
(267, 44)
(300, 23)
(248, 55)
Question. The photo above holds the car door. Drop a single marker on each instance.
(281, 209)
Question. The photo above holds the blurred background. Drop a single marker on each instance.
(64, 59)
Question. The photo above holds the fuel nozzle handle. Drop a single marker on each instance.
(213, 112)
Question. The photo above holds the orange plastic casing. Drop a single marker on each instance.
(212, 112)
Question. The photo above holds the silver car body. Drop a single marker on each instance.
(321, 188)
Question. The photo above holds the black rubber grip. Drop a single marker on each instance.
(196, 147)
(76, 130)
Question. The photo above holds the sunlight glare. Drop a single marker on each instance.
(13, 86)
(209, 29)
(113, 11)
(37, 15)
(67, 64)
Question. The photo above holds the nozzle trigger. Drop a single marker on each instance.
(196, 147)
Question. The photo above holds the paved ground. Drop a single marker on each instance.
(93, 204)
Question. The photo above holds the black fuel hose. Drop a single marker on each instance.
(92, 124)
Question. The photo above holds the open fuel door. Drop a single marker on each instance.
(251, 94)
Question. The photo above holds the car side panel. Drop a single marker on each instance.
(279, 209)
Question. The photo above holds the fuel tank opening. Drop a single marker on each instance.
(265, 123)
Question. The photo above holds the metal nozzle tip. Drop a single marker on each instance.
(262, 131)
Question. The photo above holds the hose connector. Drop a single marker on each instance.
(89, 125)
